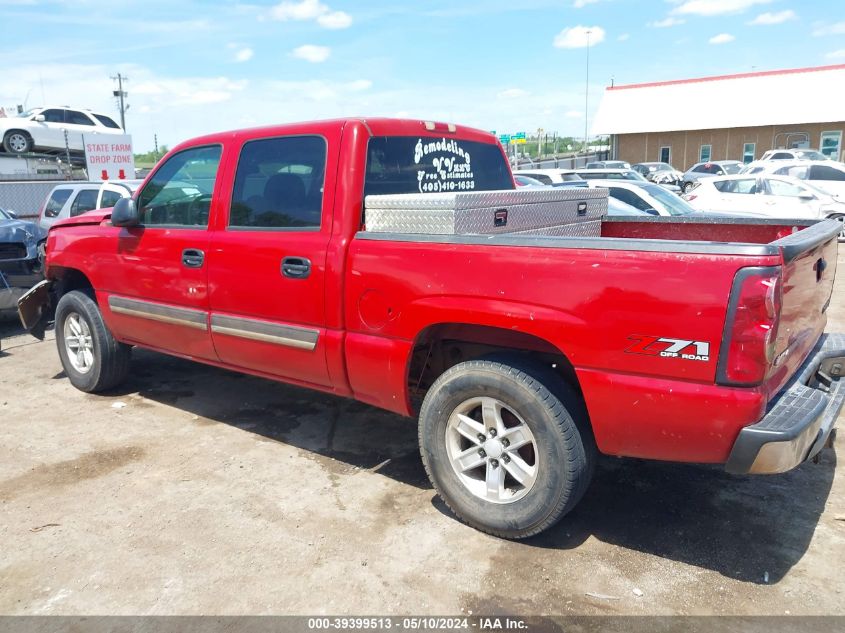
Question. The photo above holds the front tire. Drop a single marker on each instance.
(506, 445)
(17, 142)
(91, 357)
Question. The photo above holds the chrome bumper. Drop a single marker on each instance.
(799, 419)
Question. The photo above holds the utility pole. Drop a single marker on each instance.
(587, 93)
(539, 143)
(121, 94)
(155, 140)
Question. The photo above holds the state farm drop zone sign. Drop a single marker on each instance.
(110, 157)
(444, 166)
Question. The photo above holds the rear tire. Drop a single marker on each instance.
(523, 478)
(91, 357)
(17, 142)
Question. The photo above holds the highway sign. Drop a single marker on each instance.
(504, 139)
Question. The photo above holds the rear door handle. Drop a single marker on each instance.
(193, 258)
(296, 267)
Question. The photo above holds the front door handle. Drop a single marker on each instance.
(193, 258)
(296, 267)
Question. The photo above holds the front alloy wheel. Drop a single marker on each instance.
(78, 343)
(16, 143)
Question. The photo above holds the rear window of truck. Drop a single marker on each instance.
(433, 164)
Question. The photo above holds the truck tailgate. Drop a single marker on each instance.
(809, 268)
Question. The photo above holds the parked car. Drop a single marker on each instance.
(553, 177)
(616, 207)
(607, 174)
(74, 198)
(608, 164)
(707, 169)
(824, 174)
(661, 173)
(691, 340)
(773, 196)
(793, 154)
(526, 181)
(647, 197)
(20, 259)
(44, 129)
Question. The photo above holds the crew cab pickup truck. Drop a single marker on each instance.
(522, 356)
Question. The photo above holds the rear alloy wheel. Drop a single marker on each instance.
(17, 142)
(506, 444)
(685, 187)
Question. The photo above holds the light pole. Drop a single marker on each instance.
(121, 94)
(587, 93)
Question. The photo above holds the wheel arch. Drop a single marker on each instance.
(440, 346)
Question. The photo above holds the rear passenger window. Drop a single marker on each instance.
(179, 192)
(546, 180)
(85, 201)
(110, 198)
(279, 184)
(56, 202)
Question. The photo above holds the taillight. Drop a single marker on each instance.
(748, 344)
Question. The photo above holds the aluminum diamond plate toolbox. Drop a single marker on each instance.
(489, 212)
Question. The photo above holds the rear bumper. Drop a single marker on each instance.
(799, 419)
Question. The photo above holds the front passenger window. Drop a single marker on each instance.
(179, 193)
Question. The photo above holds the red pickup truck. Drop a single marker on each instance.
(521, 355)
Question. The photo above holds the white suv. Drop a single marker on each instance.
(75, 198)
(793, 154)
(44, 129)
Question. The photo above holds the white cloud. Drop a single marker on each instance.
(335, 20)
(623, 37)
(512, 93)
(580, 4)
(666, 23)
(576, 36)
(244, 55)
(769, 18)
(310, 10)
(716, 7)
(840, 54)
(837, 28)
(722, 38)
(312, 53)
(359, 85)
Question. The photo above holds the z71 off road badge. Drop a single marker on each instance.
(669, 347)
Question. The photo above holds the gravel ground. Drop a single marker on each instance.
(194, 490)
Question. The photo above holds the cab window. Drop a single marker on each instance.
(56, 202)
(110, 198)
(179, 193)
(85, 201)
(77, 118)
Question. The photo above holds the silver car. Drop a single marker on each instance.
(707, 169)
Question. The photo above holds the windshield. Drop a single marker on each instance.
(26, 114)
(731, 168)
(810, 154)
(671, 202)
(662, 167)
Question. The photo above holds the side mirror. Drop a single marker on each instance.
(125, 213)
(39, 118)
(12, 214)
(806, 195)
(720, 173)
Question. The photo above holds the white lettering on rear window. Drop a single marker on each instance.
(446, 166)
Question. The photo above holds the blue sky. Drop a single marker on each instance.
(197, 67)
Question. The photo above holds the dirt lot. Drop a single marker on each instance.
(196, 491)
